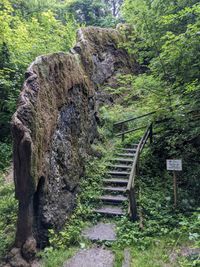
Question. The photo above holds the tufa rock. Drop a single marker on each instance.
(16, 260)
(29, 249)
(53, 128)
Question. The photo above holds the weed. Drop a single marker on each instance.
(54, 257)
(5, 155)
(8, 214)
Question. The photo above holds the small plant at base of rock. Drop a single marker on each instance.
(5, 155)
(8, 215)
(55, 257)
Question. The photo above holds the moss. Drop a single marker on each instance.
(53, 75)
(46, 91)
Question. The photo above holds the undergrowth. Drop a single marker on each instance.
(5, 155)
(8, 214)
(8, 204)
(161, 229)
(161, 232)
(154, 240)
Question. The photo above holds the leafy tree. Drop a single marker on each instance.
(98, 13)
(27, 31)
(114, 6)
(32, 7)
(164, 37)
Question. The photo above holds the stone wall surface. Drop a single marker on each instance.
(53, 127)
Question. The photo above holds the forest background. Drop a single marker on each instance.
(163, 36)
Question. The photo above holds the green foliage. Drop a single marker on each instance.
(5, 155)
(102, 13)
(164, 230)
(27, 31)
(52, 258)
(160, 229)
(165, 39)
(157, 254)
(8, 204)
(8, 214)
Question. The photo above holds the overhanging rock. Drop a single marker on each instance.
(54, 126)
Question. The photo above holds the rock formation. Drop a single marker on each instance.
(53, 128)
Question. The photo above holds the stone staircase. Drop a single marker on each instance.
(115, 183)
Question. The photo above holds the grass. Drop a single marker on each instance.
(156, 255)
(119, 256)
(56, 257)
(8, 215)
(163, 252)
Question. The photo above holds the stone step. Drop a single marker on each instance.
(125, 155)
(113, 199)
(120, 166)
(110, 210)
(118, 173)
(132, 146)
(128, 149)
(115, 189)
(135, 145)
(116, 181)
(122, 160)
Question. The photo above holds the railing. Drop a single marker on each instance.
(135, 167)
(135, 170)
(121, 124)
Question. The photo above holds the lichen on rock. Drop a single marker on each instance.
(53, 127)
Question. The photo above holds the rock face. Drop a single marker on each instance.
(54, 126)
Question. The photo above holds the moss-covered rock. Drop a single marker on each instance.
(54, 126)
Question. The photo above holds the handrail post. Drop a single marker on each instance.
(123, 135)
(133, 206)
(137, 166)
(151, 134)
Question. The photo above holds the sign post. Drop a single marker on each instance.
(174, 165)
(175, 189)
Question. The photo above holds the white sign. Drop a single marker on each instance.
(174, 164)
